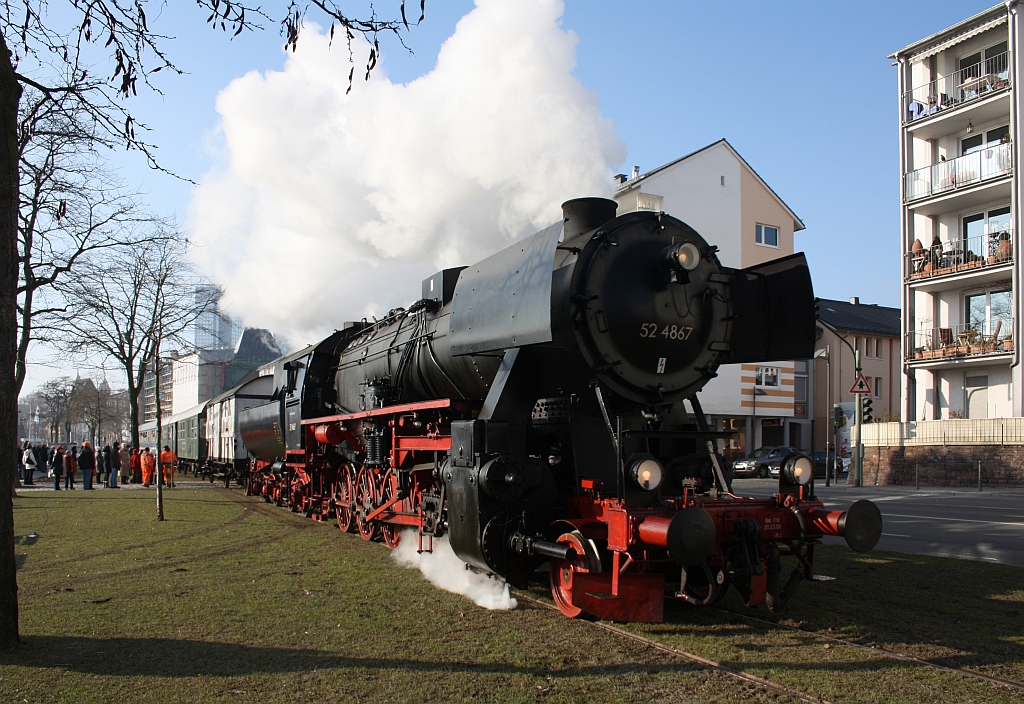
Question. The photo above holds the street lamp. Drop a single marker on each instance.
(826, 354)
(753, 433)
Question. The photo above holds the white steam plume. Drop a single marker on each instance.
(333, 207)
(443, 568)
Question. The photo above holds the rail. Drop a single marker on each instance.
(971, 431)
(961, 341)
(964, 86)
(994, 248)
(967, 170)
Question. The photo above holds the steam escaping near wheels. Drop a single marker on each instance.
(444, 569)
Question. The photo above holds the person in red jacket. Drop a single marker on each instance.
(135, 463)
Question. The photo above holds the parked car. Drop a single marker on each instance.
(764, 462)
(821, 463)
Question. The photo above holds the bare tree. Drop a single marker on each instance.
(92, 404)
(58, 400)
(123, 307)
(45, 44)
(71, 206)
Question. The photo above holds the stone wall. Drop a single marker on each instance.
(1002, 466)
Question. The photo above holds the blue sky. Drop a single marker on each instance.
(802, 90)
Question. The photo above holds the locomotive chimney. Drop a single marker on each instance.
(586, 214)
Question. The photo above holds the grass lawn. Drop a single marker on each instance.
(234, 600)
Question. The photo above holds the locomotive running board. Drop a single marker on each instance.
(641, 597)
(454, 404)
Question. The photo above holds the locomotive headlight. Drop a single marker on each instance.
(798, 469)
(647, 473)
(685, 256)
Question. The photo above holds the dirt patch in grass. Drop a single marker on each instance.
(231, 600)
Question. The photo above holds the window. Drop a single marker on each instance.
(878, 348)
(878, 387)
(767, 235)
(995, 60)
(800, 389)
(986, 311)
(767, 376)
(988, 139)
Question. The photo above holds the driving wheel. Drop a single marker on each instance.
(366, 501)
(343, 489)
(391, 533)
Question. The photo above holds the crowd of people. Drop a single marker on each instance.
(111, 465)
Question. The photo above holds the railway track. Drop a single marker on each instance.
(774, 686)
(706, 662)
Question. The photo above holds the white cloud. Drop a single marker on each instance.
(336, 206)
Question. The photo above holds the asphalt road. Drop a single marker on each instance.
(960, 523)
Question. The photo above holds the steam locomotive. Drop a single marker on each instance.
(541, 406)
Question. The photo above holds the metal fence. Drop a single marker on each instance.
(969, 169)
(974, 431)
(947, 92)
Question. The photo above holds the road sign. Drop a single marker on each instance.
(860, 385)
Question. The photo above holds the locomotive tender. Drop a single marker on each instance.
(533, 408)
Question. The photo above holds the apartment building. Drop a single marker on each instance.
(716, 192)
(872, 330)
(960, 225)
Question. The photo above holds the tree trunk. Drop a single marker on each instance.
(10, 94)
(133, 410)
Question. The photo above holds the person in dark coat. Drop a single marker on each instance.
(107, 473)
(56, 461)
(42, 454)
(115, 464)
(87, 464)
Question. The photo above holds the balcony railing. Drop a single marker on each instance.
(964, 86)
(992, 249)
(961, 341)
(984, 164)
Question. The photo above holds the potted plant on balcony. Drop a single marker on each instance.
(1007, 344)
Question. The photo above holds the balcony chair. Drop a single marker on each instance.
(948, 343)
(989, 342)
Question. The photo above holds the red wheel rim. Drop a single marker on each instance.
(343, 500)
(562, 571)
(366, 501)
(392, 533)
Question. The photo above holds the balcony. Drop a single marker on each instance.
(965, 86)
(960, 342)
(965, 255)
(968, 170)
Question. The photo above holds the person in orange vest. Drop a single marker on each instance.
(148, 466)
(169, 462)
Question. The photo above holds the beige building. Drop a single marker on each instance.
(873, 330)
(717, 193)
(959, 122)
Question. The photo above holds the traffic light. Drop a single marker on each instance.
(838, 418)
(866, 408)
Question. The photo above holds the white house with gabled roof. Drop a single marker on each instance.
(716, 192)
